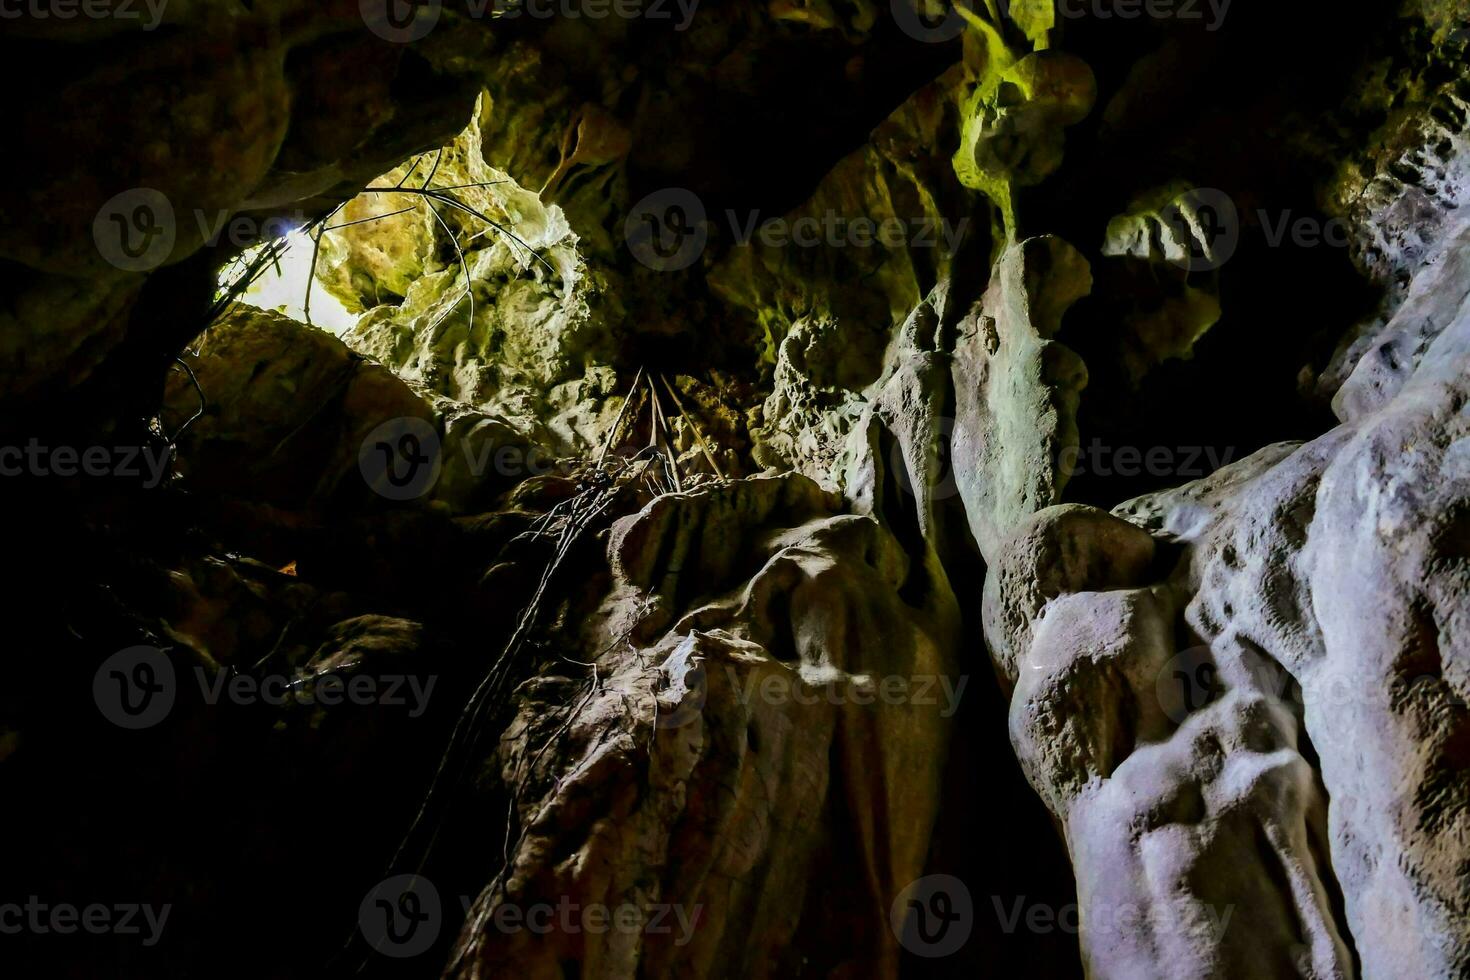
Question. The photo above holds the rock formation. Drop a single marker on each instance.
(726, 489)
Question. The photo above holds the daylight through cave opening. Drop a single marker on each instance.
(737, 490)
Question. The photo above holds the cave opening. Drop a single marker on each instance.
(808, 488)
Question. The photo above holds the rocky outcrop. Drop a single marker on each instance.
(272, 411)
(734, 720)
(135, 179)
(1017, 389)
(934, 275)
(1162, 788)
(1320, 587)
(480, 295)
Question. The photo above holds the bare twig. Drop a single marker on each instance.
(438, 159)
(477, 183)
(612, 437)
(253, 270)
(586, 508)
(660, 437)
(450, 201)
(316, 251)
(469, 287)
(409, 173)
(173, 440)
(477, 918)
(689, 420)
(375, 217)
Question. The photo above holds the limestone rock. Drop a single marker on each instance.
(1017, 389)
(739, 703)
(1402, 197)
(887, 221)
(59, 329)
(1437, 296)
(1242, 700)
(1057, 551)
(197, 136)
(1015, 128)
(1159, 789)
(1322, 591)
(286, 409)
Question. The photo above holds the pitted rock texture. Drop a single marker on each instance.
(488, 301)
(1162, 791)
(1320, 658)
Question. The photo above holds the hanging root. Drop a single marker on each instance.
(569, 522)
(432, 196)
(449, 200)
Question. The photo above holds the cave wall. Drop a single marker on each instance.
(1138, 449)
